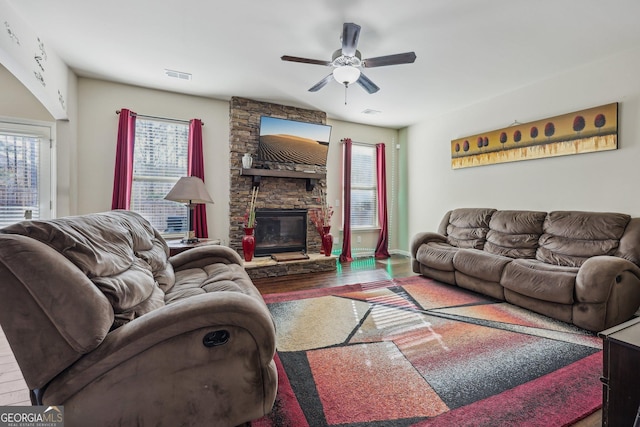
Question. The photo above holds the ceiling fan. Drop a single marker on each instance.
(347, 62)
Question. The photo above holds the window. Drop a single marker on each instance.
(159, 160)
(27, 177)
(364, 210)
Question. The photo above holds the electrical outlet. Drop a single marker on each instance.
(336, 240)
(358, 239)
(337, 203)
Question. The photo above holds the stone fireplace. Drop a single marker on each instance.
(280, 230)
(281, 186)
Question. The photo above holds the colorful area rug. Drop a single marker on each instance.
(414, 352)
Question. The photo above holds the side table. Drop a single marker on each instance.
(621, 374)
(176, 246)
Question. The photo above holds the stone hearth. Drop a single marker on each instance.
(261, 267)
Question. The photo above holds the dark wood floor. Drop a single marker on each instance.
(358, 271)
(13, 390)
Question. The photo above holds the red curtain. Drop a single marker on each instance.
(382, 248)
(346, 216)
(195, 167)
(123, 174)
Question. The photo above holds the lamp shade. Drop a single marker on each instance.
(190, 190)
(346, 74)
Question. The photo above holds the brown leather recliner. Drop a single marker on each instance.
(102, 321)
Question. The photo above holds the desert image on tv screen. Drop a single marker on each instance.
(287, 141)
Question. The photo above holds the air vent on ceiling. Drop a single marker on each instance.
(178, 74)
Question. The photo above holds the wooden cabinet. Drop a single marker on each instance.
(621, 374)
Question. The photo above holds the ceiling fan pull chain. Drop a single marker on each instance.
(345, 94)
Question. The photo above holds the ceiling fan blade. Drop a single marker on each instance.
(350, 34)
(305, 60)
(322, 83)
(367, 84)
(380, 61)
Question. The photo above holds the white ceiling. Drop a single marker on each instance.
(467, 50)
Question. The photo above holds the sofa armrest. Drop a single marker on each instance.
(193, 317)
(425, 237)
(202, 256)
(607, 292)
(599, 274)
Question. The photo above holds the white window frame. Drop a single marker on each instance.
(160, 203)
(46, 169)
(375, 224)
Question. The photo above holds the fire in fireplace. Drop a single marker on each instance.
(280, 230)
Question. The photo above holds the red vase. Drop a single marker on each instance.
(248, 244)
(327, 241)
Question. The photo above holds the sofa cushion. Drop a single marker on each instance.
(157, 258)
(118, 250)
(437, 255)
(218, 277)
(571, 237)
(98, 245)
(540, 280)
(514, 234)
(128, 288)
(468, 227)
(480, 264)
(165, 278)
(148, 245)
(154, 301)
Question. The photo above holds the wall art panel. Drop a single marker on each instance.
(585, 131)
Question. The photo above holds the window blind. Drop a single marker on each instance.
(363, 186)
(160, 159)
(25, 172)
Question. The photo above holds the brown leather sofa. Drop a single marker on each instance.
(578, 267)
(103, 321)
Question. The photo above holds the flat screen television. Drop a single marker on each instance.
(291, 141)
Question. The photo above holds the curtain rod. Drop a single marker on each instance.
(359, 143)
(160, 118)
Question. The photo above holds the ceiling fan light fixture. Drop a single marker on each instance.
(346, 74)
(347, 62)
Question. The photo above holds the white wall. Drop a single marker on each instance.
(67, 154)
(604, 181)
(97, 132)
(31, 60)
(17, 102)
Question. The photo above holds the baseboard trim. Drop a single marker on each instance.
(371, 253)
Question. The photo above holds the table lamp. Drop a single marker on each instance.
(191, 191)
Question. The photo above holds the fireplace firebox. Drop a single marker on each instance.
(280, 230)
